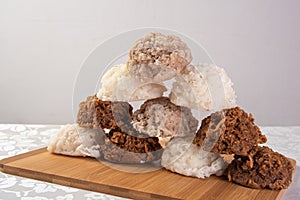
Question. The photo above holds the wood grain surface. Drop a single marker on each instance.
(90, 174)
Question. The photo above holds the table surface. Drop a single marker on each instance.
(16, 139)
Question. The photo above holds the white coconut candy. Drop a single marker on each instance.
(203, 87)
(117, 85)
(183, 157)
(73, 140)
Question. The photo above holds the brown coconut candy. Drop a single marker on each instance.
(262, 168)
(230, 131)
(121, 147)
(95, 113)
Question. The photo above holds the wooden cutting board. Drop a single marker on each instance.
(90, 174)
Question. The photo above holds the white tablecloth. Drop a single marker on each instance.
(16, 139)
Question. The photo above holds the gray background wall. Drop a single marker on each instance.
(43, 44)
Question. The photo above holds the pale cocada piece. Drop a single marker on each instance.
(183, 157)
(157, 57)
(203, 87)
(73, 140)
(117, 85)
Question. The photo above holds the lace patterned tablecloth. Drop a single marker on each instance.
(17, 139)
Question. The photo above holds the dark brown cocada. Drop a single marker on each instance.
(230, 131)
(136, 148)
(262, 168)
(95, 113)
